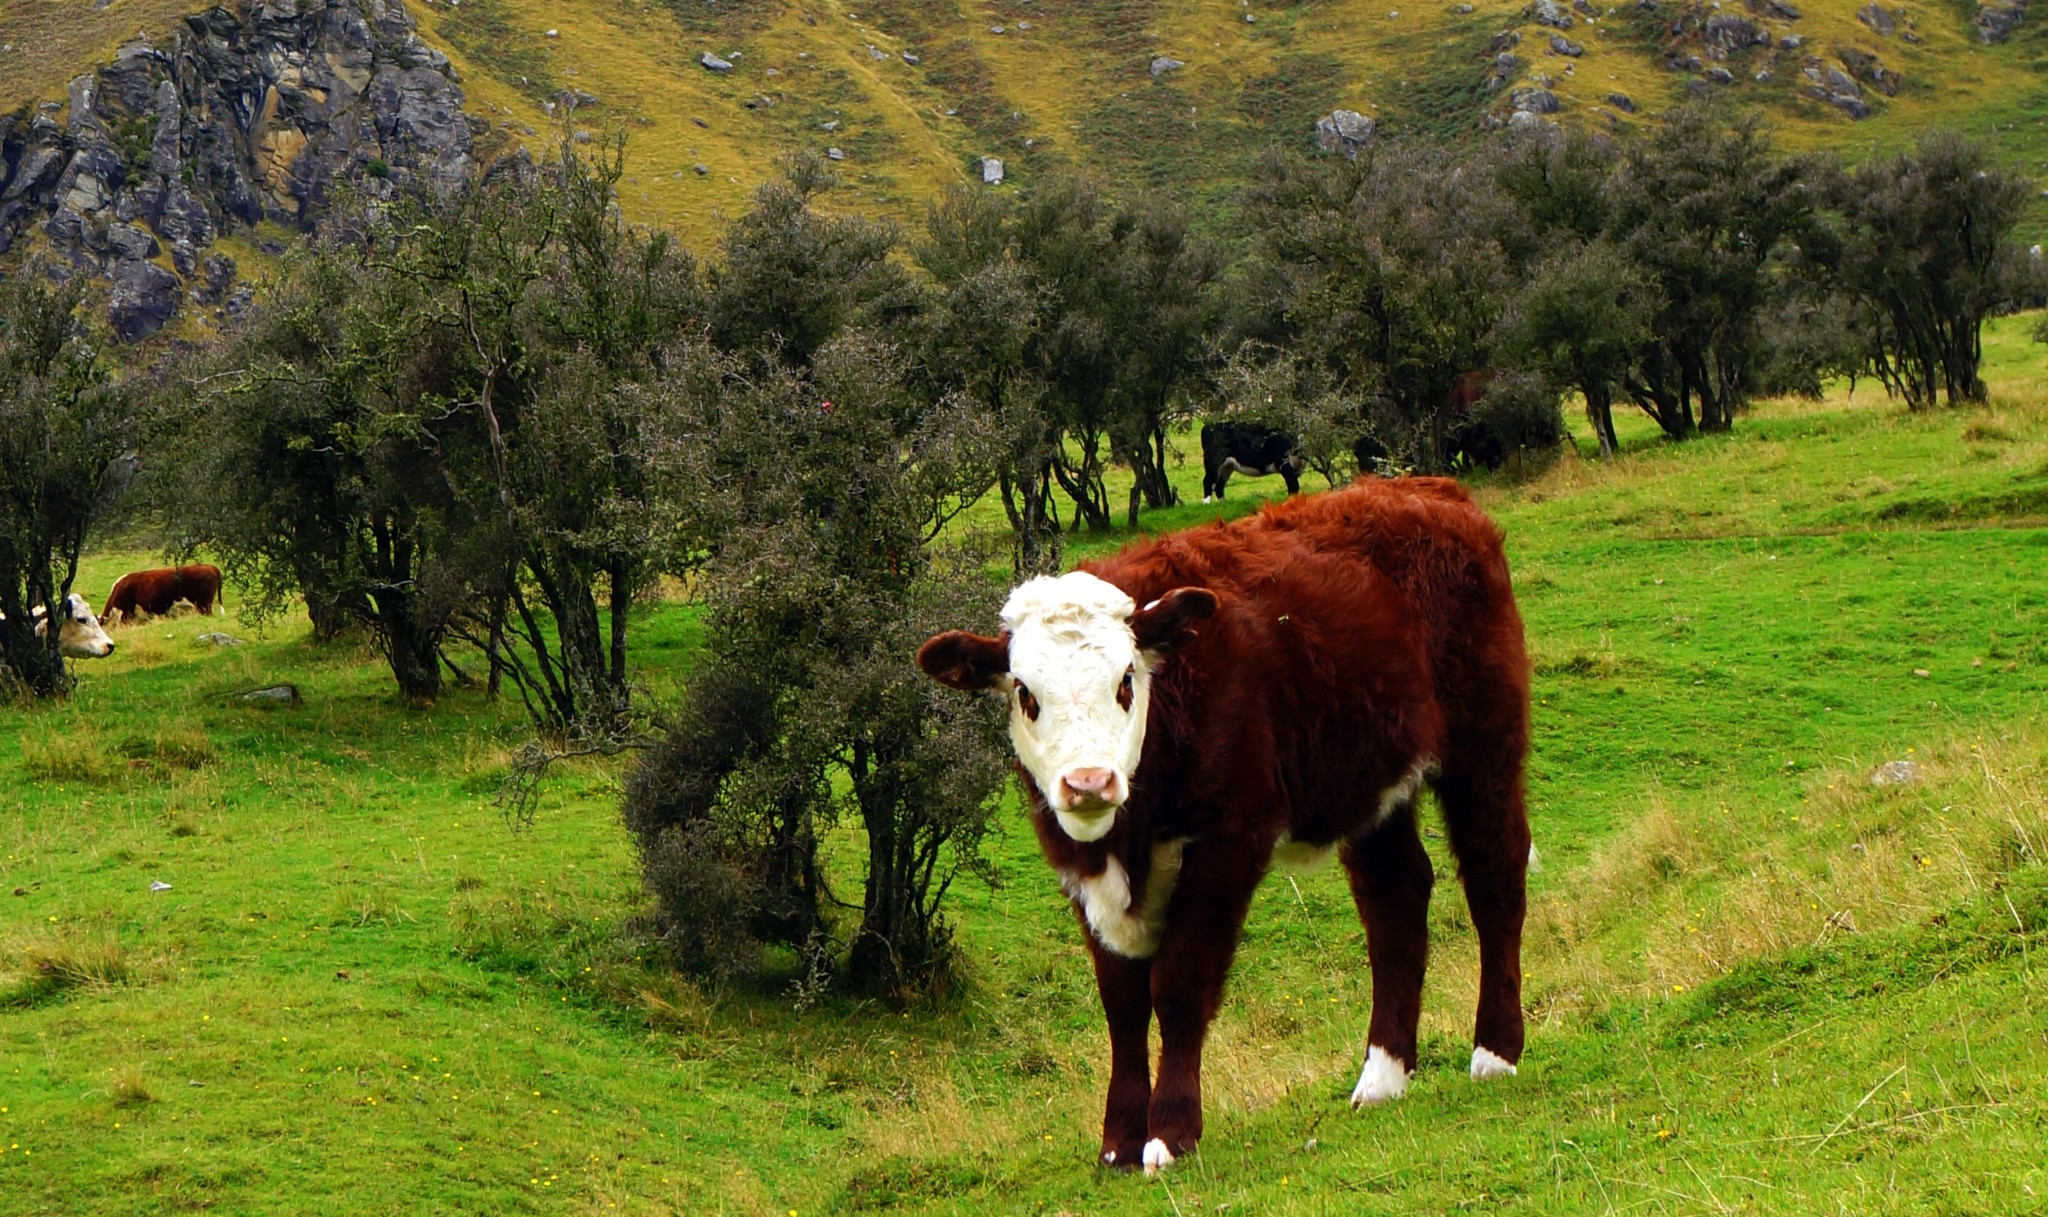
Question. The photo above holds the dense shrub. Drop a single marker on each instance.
(820, 492)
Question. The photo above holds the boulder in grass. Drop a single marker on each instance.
(1996, 22)
(270, 695)
(1345, 131)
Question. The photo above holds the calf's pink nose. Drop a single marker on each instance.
(1088, 786)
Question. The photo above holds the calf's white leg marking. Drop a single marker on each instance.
(1157, 1156)
(1384, 1077)
(1130, 929)
(1486, 1064)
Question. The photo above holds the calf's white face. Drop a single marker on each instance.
(1079, 688)
(1075, 661)
(79, 635)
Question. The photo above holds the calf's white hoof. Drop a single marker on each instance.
(1157, 1156)
(1383, 1078)
(1486, 1064)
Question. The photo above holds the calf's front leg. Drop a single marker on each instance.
(1188, 971)
(1126, 988)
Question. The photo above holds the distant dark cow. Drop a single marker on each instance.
(1369, 452)
(1466, 391)
(1290, 683)
(155, 591)
(1249, 448)
(1468, 437)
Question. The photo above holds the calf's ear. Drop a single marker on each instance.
(1170, 620)
(965, 661)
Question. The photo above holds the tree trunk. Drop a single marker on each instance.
(1600, 413)
(34, 661)
(621, 607)
(414, 653)
(1036, 531)
(1083, 484)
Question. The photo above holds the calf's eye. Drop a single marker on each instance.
(1127, 690)
(1026, 702)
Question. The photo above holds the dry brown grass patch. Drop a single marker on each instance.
(42, 963)
(1691, 890)
(73, 752)
(129, 1088)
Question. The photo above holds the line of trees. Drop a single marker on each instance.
(498, 419)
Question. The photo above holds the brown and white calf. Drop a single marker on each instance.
(1288, 685)
(79, 635)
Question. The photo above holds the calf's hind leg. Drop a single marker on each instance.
(1488, 827)
(1390, 882)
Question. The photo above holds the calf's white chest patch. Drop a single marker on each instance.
(1129, 926)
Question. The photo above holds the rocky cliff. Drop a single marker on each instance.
(250, 114)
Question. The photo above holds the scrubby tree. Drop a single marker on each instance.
(1165, 308)
(1706, 212)
(789, 276)
(311, 453)
(1387, 274)
(67, 442)
(820, 493)
(973, 340)
(1926, 253)
(1580, 318)
(1084, 324)
(556, 305)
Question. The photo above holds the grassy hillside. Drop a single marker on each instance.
(1069, 84)
(1757, 980)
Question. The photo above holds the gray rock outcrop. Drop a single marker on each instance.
(1996, 21)
(1345, 131)
(1733, 33)
(244, 116)
(1867, 68)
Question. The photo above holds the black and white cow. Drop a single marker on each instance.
(1249, 448)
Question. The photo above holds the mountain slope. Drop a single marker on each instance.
(1071, 83)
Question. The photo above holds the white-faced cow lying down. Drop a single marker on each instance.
(79, 635)
(1291, 680)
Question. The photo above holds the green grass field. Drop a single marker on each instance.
(1757, 982)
